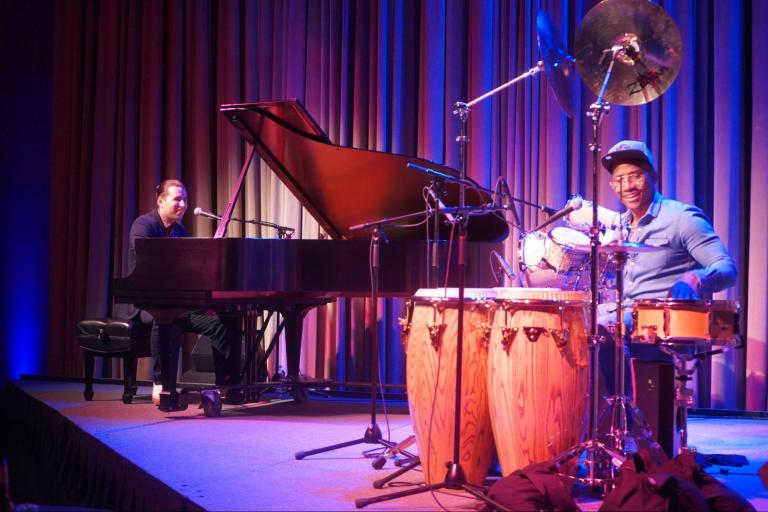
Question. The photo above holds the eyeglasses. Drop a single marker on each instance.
(630, 178)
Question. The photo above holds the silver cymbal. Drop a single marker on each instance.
(628, 247)
(558, 65)
(647, 45)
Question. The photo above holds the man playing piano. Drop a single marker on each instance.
(225, 334)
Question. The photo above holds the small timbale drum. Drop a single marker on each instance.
(538, 376)
(431, 380)
(685, 322)
(556, 259)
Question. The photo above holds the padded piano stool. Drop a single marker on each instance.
(114, 337)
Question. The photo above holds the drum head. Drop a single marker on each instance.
(533, 248)
(570, 238)
(430, 294)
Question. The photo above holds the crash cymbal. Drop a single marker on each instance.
(646, 43)
(558, 65)
(628, 247)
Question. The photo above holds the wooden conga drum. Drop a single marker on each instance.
(431, 381)
(538, 374)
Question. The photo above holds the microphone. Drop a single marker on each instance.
(282, 231)
(505, 267)
(573, 204)
(202, 213)
(441, 206)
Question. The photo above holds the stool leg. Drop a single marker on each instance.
(129, 378)
(133, 367)
(89, 364)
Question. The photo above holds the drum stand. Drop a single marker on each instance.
(684, 395)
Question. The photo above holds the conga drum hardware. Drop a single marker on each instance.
(405, 322)
(483, 330)
(436, 334)
(508, 336)
(561, 336)
(405, 327)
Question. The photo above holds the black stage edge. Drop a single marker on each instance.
(72, 468)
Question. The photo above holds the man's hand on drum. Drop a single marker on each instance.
(688, 287)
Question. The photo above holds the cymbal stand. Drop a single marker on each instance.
(455, 478)
(599, 457)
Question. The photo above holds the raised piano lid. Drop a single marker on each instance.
(343, 187)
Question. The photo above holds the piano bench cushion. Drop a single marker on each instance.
(114, 336)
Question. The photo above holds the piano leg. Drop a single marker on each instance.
(294, 327)
(294, 324)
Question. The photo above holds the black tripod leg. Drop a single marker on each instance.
(306, 453)
(471, 489)
(364, 502)
(372, 434)
(381, 482)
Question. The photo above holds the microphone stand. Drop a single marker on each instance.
(283, 232)
(436, 188)
(455, 477)
(372, 434)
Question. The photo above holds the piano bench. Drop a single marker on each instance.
(113, 337)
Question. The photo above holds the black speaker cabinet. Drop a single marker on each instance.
(654, 395)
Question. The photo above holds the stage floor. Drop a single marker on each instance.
(244, 459)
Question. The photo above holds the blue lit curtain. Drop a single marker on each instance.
(137, 85)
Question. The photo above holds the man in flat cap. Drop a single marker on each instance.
(695, 263)
(692, 265)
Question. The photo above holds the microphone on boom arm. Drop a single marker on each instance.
(573, 204)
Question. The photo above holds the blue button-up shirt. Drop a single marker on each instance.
(690, 244)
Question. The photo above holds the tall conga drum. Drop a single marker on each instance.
(431, 381)
(538, 374)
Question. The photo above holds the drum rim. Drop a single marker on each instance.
(690, 341)
(543, 302)
(702, 304)
(431, 300)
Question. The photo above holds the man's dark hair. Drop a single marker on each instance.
(164, 185)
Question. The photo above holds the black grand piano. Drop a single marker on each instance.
(341, 187)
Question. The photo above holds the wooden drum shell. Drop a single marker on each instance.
(685, 322)
(431, 370)
(538, 390)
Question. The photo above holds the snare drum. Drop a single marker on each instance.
(557, 259)
(431, 381)
(538, 376)
(685, 322)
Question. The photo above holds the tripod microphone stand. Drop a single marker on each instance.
(455, 477)
(372, 434)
